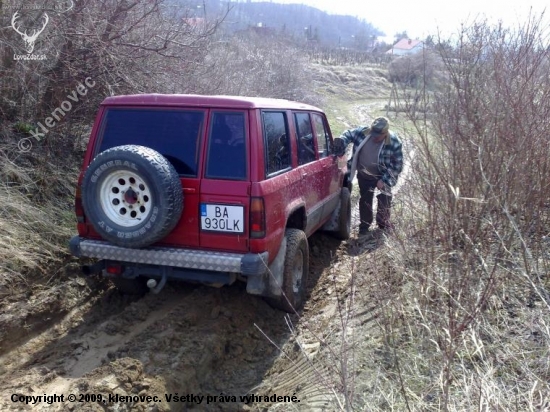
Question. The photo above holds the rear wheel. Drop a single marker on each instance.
(295, 272)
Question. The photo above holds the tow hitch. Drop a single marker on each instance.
(155, 287)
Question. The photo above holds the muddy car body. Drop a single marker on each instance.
(211, 189)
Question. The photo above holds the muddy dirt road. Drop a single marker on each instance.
(84, 338)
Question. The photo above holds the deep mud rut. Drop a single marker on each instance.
(84, 337)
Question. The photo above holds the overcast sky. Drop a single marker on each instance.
(422, 17)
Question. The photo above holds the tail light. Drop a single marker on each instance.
(79, 210)
(257, 218)
(114, 269)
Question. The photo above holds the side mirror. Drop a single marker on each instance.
(338, 147)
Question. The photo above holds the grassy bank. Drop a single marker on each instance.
(36, 203)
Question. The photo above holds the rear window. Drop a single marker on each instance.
(173, 133)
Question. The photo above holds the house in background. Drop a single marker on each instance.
(406, 46)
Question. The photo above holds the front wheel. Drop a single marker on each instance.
(295, 272)
(344, 218)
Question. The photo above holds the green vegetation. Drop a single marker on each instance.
(36, 217)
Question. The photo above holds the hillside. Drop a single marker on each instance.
(303, 23)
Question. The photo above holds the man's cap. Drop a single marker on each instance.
(379, 126)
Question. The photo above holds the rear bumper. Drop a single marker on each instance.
(248, 264)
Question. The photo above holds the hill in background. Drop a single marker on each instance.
(301, 22)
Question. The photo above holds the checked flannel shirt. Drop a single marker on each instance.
(390, 158)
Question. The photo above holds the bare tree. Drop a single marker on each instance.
(252, 65)
(124, 45)
(474, 224)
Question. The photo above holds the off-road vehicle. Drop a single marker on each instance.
(210, 189)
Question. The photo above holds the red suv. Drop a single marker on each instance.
(210, 189)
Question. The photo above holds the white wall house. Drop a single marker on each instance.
(406, 46)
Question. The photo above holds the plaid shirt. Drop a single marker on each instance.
(390, 158)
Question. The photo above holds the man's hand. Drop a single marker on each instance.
(338, 146)
(380, 185)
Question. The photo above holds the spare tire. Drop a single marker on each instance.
(132, 196)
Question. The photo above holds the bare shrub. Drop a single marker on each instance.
(469, 325)
(257, 65)
(415, 69)
(124, 46)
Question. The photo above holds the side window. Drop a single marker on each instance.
(321, 135)
(276, 142)
(306, 144)
(226, 157)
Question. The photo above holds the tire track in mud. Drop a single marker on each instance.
(187, 339)
(52, 350)
(340, 313)
(28, 313)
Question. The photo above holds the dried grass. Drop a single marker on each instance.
(36, 217)
(463, 286)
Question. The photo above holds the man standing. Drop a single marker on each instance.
(378, 159)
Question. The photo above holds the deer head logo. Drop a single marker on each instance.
(29, 39)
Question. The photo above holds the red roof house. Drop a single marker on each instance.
(406, 46)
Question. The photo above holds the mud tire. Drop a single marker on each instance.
(132, 196)
(344, 221)
(295, 273)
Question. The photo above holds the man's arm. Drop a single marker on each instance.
(395, 166)
(347, 137)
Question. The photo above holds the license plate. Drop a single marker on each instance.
(222, 218)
